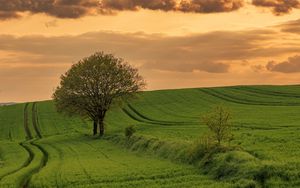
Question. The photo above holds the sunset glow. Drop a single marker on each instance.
(174, 45)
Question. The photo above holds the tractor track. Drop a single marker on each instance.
(28, 150)
(267, 93)
(35, 121)
(24, 165)
(31, 143)
(136, 115)
(232, 99)
(26, 126)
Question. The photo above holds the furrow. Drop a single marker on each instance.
(35, 122)
(153, 120)
(26, 126)
(26, 180)
(45, 155)
(268, 93)
(25, 164)
(134, 114)
(232, 99)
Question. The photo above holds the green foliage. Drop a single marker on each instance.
(129, 131)
(89, 87)
(170, 150)
(233, 165)
(218, 122)
(200, 147)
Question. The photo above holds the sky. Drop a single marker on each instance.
(173, 43)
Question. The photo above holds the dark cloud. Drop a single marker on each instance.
(5, 15)
(79, 8)
(197, 6)
(119, 5)
(210, 52)
(56, 8)
(292, 65)
(291, 27)
(279, 7)
(209, 6)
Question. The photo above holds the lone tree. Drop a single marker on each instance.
(90, 87)
(218, 122)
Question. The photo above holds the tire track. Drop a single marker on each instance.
(28, 150)
(268, 92)
(153, 120)
(230, 98)
(35, 121)
(26, 179)
(26, 127)
(45, 154)
(136, 115)
(24, 165)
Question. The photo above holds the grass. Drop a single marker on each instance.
(77, 160)
(42, 148)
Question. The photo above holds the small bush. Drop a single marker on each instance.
(200, 148)
(129, 131)
(218, 122)
(246, 183)
(233, 165)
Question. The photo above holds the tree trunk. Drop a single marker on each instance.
(95, 127)
(101, 127)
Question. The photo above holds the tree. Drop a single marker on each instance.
(91, 86)
(218, 122)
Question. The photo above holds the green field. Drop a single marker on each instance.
(41, 148)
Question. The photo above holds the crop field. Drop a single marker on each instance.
(42, 148)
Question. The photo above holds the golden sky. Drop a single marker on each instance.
(174, 43)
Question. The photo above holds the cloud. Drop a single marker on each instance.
(213, 52)
(291, 27)
(209, 6)
(197, 6)
(5, 15)
(279, 7)
(292, 65)
(56, 8)
(10, 9)
(78, 8)
(107, 6)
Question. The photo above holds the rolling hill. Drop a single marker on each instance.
(41, 148)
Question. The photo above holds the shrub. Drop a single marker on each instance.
(129, 131)
(218, 122)
(246, 183)
(200, 148)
